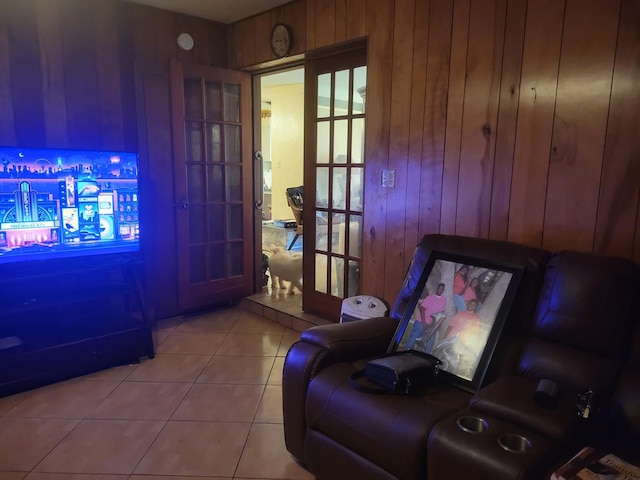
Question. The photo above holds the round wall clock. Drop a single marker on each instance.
(281, 40)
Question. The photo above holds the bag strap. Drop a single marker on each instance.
(353, 380)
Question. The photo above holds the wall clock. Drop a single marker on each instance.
(281, 40)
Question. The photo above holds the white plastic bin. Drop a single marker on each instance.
(361, 307)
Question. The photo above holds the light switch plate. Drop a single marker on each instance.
(388, 178)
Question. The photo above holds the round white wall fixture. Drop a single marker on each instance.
(185, 41)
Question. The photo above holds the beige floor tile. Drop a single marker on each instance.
(170, 368)
(115, 374)
(72, 476)
(196, 448)
(165, 327)
(26, 441)
(142, 401)
(191, 343)
(275, 378)
(102, 446)
(172, 477)
(265, 456)
(270, 407)
(251, 323)
(71, 399)
(12, 475)
(289, 338)
(223, 403)
(7, 403)
(237, 369)
(210, 322)
(250, 344)
(125, 408)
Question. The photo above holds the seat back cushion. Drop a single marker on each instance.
(584, 320)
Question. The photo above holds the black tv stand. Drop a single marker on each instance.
(63, 318)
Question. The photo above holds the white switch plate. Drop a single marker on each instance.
(388, 178)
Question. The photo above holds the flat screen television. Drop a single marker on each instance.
(64, 203)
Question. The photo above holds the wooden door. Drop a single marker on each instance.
(335, 93)
(211, 115)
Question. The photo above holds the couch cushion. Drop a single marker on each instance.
(382, 428)
(583, 321)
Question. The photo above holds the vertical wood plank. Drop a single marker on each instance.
(80, 73)
(7, 119)
(620, 182)
(412, 230)
(153, 105)
(310, 20)
(507, 116)
(202, 49)
(262, 24)
(584, 87)
(283, 14)
(235, 41)
(128, 77)
(433, 134)
(26, 76)
(356, 19)
(538, 83)
(341, 20)
(55, 111)
(484, 60)
(144, 34)
(218, 47)
(108, 79)
(299, 27)
(455, 101)
(248, 32)
(636, 243)
(401, 88)
(325, 22)
(168, 25)
(379, 75)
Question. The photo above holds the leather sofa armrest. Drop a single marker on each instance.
(511, 398)
(318, 348)
(353, 340)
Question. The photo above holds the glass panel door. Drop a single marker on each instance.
(213, 183)
(334, 165)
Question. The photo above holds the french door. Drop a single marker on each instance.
(335, 93)
(211, 127)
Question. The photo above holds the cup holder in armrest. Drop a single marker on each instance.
(514, 443)
(472, 424)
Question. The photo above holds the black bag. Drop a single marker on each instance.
(399, 372)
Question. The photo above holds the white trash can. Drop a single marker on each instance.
(361, 307)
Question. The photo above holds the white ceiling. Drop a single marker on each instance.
(223, 11)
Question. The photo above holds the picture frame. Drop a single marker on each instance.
(457, 313)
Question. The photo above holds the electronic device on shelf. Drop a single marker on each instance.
(57, 203)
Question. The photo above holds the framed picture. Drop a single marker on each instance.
(456, 314)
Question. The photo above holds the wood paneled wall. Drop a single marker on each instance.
(504, 119)
(94, 74)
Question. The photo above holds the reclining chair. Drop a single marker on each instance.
(570, 321)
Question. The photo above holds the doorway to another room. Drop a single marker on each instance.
(282, 148)
(310, 181)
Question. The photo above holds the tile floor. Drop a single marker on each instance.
(208, 406)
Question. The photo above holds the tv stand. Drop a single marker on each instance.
(68, 317)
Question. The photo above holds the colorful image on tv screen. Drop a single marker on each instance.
(62, 203)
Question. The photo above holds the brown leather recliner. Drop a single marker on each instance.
(571, 322)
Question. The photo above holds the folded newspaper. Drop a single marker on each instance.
(593, 464)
